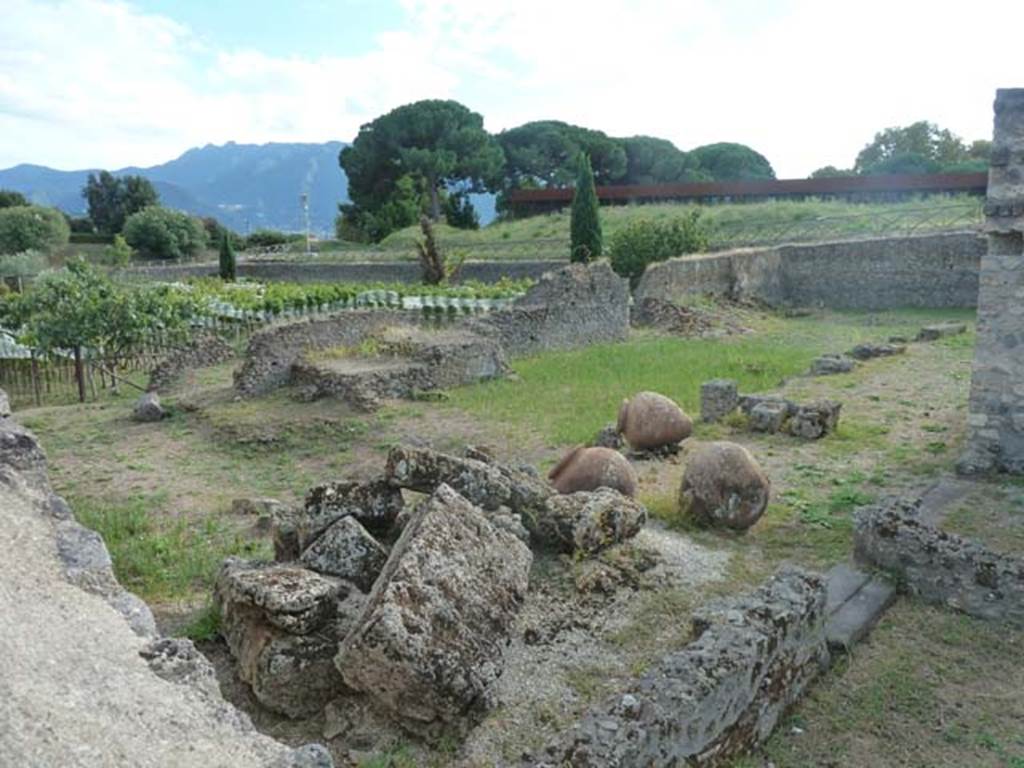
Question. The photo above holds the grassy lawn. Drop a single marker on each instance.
(851, 219)
(929, 689)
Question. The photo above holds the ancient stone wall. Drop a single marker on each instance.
(878, 273)
(719, 696)
(570, 307)
(273, 351)
(940, 567)
(199, 352)
(359, 272)
(995, 419)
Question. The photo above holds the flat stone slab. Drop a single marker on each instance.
(940, 330)
(855, 601)
(940, 496)
(857, 615)
(842, 583)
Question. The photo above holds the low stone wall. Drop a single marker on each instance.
(273, 351)
(940, 567)
(721, 695)
(409, 362)
(575, 306)
(879, 273)
(571, 307)
(353, 272)
(199, 352)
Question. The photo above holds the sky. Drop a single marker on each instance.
(112, 83)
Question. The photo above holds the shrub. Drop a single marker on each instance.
(161, 233)
(585, 222)
(267, 238)
(646, 241)
(32, 227)
(118, 253)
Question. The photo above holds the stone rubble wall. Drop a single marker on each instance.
(938, 270)
(201, 351)
(83, 671)
(273, 351)
(995, 420)
(718, 697)
(940, 567)
(575, 306)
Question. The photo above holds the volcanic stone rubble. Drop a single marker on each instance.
(408, 608)
(769, 413)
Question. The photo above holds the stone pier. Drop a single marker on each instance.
(995, 440)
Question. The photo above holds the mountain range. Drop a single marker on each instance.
(245, 186)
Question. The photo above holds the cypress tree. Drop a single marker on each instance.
(227, 258)
(585, 223)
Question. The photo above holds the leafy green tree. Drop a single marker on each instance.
(436, 144)
(228, 264)
(79, 309)
(543, 154)
(650, 160)
(921, 147)
(831, 172)
(32, 227)
(11, 199)
(160, 233)
(459, 212)
(726, 161)
(112, 199)
(585, 221)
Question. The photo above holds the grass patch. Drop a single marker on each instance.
(568, 396)
(161, 558)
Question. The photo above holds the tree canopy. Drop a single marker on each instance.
(32, 227)
(544, 154)
(112, 199)
(921, 147)
(727, 161)
(160, 233)
(9, 198)
(650, 160)
(416, 151)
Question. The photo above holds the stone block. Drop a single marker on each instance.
(718, 398)
(289, 597)
(346, 551)
(428, 645)
(940, 330)
(586, 522)
(768, 417)
(828, 365)
(147, 408)
(814, 420)
(871, 351)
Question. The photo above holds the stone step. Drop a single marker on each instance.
(856, 601)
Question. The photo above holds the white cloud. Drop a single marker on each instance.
(806, 82)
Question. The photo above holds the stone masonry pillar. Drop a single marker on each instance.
(995, 420)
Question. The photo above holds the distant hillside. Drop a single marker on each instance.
(246, 186)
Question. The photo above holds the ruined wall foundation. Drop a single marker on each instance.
(995, 419)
